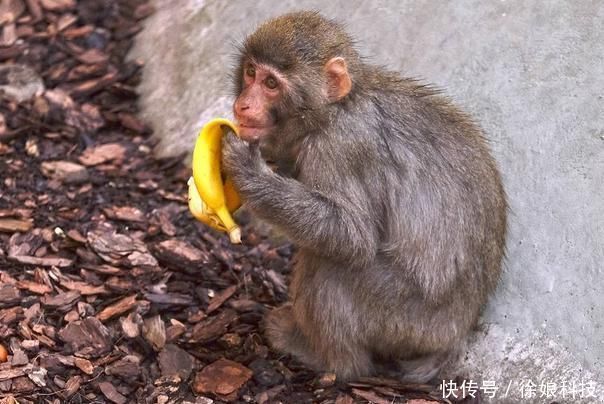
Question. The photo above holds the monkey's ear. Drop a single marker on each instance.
(339, 83)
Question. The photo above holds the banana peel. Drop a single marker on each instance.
(212, 197)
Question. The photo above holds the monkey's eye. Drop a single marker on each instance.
(250, 71)
(271, 82)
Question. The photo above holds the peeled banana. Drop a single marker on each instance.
(212, 199)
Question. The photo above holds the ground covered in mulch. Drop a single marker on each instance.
(109, 290)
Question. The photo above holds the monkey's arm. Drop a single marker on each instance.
(329, 225)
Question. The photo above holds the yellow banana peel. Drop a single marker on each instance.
(212, 198)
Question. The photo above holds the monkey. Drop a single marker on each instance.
(388, 190)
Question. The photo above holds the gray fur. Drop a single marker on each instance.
(394, 202)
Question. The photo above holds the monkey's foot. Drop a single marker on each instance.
(280, 327)
(284, 335)
(419, 370)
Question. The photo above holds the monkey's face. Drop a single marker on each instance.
(256, 107)
(268, 97)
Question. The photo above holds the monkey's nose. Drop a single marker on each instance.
(241, 106)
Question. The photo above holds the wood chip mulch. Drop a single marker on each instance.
(110, 292)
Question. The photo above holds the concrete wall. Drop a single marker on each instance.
(532, 73)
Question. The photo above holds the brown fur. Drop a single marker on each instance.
(392, 197)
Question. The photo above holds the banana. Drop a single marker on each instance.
(212, 199)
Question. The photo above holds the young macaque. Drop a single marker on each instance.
(387, 189)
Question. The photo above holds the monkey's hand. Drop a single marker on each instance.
(241, 160)
(328, 222)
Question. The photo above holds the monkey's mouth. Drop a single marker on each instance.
(253, 132)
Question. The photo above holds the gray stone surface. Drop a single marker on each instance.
(532, 73)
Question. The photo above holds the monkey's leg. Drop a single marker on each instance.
(331, 346)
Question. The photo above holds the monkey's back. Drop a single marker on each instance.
(440, 211)
(445, 223)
